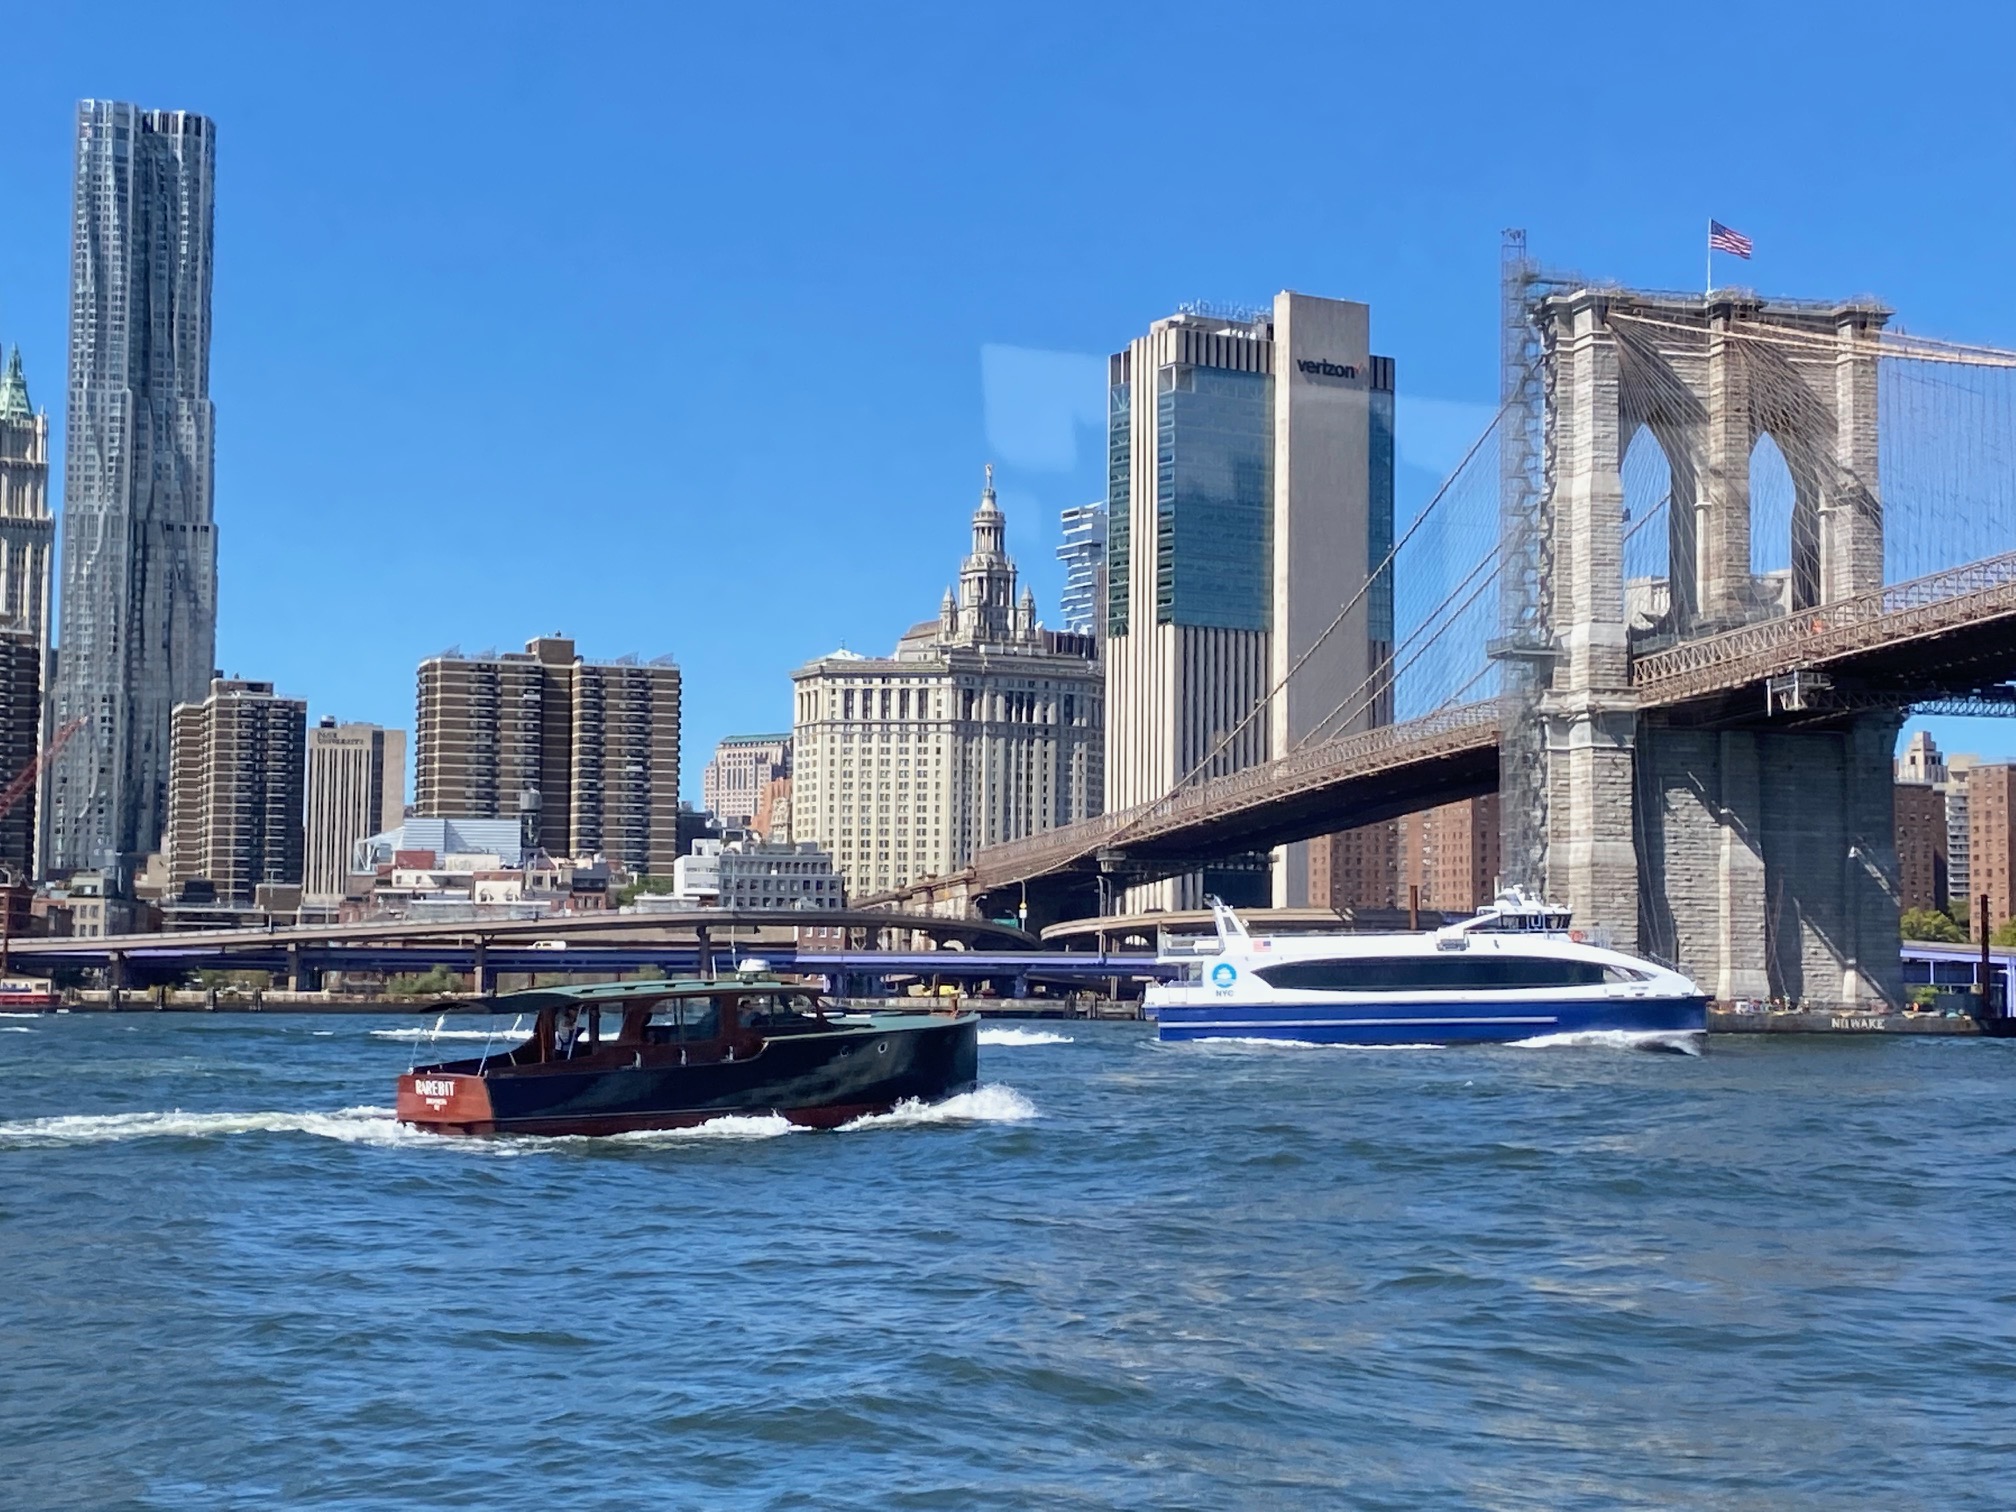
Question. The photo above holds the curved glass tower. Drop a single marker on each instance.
(139, 603)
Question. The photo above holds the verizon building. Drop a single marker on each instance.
(1251, 495)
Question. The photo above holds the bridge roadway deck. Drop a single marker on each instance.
(172, 957)
(409, 940)
(1942, 634)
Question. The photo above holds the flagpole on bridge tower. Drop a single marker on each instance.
(1708, 278)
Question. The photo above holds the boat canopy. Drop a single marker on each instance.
(611, 994)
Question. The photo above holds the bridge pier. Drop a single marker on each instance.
(1770, 861)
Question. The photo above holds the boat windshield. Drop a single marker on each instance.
(683, 1019)
(781, 1012)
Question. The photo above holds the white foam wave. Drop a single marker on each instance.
(19, 1015)
(728, 1126)
(15, 1029)
(1023, 1037)
(351, 1125)
(1685, 1041)
(501, 1036)
(987, 1104)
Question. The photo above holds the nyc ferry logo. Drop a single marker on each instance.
(1223, 975)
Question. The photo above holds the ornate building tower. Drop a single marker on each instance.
(27, 536)
(981, 726)
(27, 529)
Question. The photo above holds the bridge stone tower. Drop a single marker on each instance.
(1760, 858)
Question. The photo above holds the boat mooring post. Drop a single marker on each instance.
(115, 979)
(703, 952)
(485, 979)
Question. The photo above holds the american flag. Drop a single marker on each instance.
(1722, 238)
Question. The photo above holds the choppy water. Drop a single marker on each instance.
(1121, 1275)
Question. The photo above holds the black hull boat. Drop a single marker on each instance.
(628, 1056)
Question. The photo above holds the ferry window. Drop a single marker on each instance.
(1477, 973)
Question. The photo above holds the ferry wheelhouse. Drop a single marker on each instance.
(623, 1056)
(1516, 971)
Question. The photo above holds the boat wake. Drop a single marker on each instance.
(502, 1036)
(1023, 1037)
(987, 1104)
(377, 1126)
(1676, 1041)
(15, 1029)
(350, 1125)
(728, 1126)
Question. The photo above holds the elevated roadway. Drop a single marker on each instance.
(556, 944)
(1949, 636)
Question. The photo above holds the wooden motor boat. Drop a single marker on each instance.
(622, 1056)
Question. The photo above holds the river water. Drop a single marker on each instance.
(1119, 1275)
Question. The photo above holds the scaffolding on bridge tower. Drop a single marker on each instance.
(1524, 644)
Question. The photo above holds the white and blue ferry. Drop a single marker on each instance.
(1514, 972)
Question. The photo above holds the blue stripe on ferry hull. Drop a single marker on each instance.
(1425, 1023)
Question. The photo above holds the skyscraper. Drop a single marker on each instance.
(27, 541)
(982, 727)
(356, 788)
(139, 615)
(235, 790)
(1083, 554)
(1250, 492)
(585, 754)
(27, 529)
(744, 766)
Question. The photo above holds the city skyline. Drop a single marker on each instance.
(372, 321)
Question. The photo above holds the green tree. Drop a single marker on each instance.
(1931, 926)
(630, 891)
(430, 983)
(2005, 933)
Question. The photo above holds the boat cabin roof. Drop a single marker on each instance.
(619, 994)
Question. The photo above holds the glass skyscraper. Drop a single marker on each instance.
(139, 603)
(1250, 487)
(1083, 554)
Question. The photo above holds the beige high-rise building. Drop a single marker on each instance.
(744, 766)
(356, 788)
(235, 774)
(1250, 495)
(982, 727)
(585, 754)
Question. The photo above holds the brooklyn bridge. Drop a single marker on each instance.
(1730, 543)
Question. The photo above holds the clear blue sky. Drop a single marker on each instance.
(688, 329)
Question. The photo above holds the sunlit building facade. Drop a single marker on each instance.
(139, 602)
(1250, 491)
(982, 727)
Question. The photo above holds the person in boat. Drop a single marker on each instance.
(566, 1032)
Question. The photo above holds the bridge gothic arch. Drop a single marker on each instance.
(1707, 379)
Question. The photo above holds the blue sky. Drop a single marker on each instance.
(690, 330)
